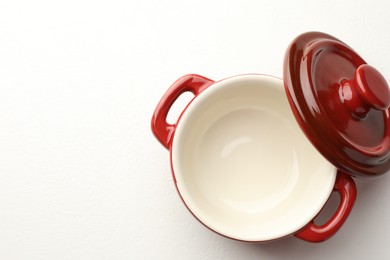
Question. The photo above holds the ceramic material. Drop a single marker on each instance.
(241, 164)
(337, 97)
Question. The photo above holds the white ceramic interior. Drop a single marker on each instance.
(243, 166)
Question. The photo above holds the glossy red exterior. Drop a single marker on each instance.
(347, 190)
(340, 102)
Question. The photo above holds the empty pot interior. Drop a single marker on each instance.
(243, 166)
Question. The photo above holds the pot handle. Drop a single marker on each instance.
(345, 186)
(160, 127)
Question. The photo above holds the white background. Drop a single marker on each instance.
(82, 176)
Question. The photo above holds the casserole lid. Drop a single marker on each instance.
(340, 102)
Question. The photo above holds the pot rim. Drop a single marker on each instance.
(187, 198)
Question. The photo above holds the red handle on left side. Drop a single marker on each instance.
(347, 189)
(160, 127)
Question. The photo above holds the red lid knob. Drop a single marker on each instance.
(367, 90)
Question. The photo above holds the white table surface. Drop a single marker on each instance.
(82, 176)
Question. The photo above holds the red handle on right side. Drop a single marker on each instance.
(160, 127)
(347, 189)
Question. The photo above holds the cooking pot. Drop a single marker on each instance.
(254, 164)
